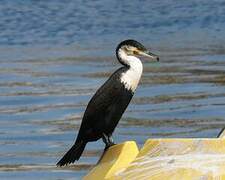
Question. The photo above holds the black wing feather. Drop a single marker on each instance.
(107, 100)
(101, 116)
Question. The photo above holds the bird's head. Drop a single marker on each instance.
(133, 48)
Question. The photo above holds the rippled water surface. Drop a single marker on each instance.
(55, 54)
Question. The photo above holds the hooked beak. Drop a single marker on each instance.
(148, 54)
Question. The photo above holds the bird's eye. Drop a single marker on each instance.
(131, 50)
(136, 52)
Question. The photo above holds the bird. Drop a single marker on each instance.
(108, 104)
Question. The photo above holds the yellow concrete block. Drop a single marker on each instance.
(173, 159)
(114, 160)
(159, 159)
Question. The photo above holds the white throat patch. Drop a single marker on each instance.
(132, 76)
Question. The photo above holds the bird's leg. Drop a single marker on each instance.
(108, 140)
(105, 139)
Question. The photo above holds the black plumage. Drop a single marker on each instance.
(101, 116)
(107, 105)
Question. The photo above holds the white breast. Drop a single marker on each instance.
(132, 76)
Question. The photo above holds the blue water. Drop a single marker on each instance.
(90, 23)
(55, 54)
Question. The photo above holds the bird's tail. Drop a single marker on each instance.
(73, 154)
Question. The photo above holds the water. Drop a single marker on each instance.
(55, 54)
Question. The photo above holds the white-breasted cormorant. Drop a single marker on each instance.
(110, 101)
